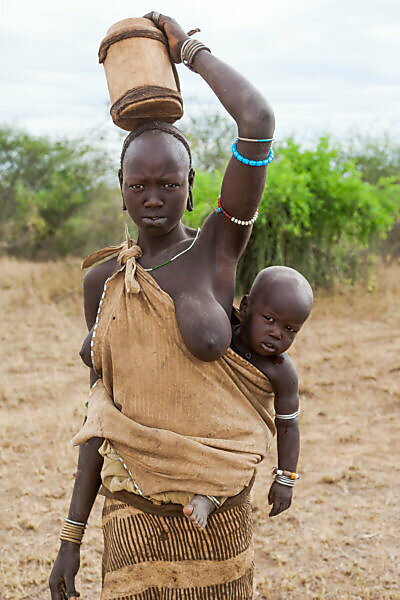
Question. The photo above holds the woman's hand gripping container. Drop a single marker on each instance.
(142, 82)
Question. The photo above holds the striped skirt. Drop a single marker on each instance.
(155, 557)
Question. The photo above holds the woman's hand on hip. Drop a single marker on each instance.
(62, 577)
(173, 32)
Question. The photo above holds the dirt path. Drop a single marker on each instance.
(341, 538)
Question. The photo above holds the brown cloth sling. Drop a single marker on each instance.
(178, 423)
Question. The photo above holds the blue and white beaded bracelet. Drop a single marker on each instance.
(252, 163)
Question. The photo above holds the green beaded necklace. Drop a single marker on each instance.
(176, 256)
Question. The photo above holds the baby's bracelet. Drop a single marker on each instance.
(282, 480)
(287, 417)
(283, 477)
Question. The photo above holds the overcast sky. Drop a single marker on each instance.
(325, 66)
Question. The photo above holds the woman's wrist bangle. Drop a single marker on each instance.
(65, 538)
(79, 523)
(72, 531)
(189, 49)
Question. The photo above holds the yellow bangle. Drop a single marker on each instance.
(65, 538)
(72, 531)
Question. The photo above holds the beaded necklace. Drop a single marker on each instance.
(176, 256)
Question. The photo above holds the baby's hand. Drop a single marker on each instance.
(280, 496)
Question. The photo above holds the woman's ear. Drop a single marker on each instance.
(120, 179)
(190, 203)
(244, 306)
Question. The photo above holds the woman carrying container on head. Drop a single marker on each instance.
(174, 409)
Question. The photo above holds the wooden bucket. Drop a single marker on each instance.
(142, 82)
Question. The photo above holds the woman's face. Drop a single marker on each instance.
(155, 182)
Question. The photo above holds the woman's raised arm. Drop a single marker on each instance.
(243, 184)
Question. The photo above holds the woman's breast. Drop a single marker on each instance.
(84, 352)
(203, 325)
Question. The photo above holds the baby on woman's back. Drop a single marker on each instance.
(279, 302)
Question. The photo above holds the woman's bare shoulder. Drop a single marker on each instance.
(97, 275)
(93, 285)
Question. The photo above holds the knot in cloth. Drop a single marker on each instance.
(128, 252)
(127, 256)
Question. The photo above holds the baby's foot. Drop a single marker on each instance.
(198, 510)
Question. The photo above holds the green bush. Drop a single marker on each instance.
(210, 138)
(317, 215)
(46, 188)
(207, 187)
(375, 157)
(378, 159)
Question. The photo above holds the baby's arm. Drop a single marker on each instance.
(285, 385)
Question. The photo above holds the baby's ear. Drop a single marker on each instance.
(244, 306)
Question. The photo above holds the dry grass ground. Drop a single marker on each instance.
(339, 541)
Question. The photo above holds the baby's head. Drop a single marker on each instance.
(278, 304)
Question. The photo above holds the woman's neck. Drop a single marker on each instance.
(153, 245)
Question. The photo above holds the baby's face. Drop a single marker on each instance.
(272, 322)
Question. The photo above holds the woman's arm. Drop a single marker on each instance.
(242, 185)
(87, 483)
(88, 480)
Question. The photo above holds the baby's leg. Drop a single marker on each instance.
(200, 507)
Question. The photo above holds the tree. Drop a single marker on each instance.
(378, 159)
(375, 157)
(211, 138)
(43, 185)
(317, 215)
(322, 211)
